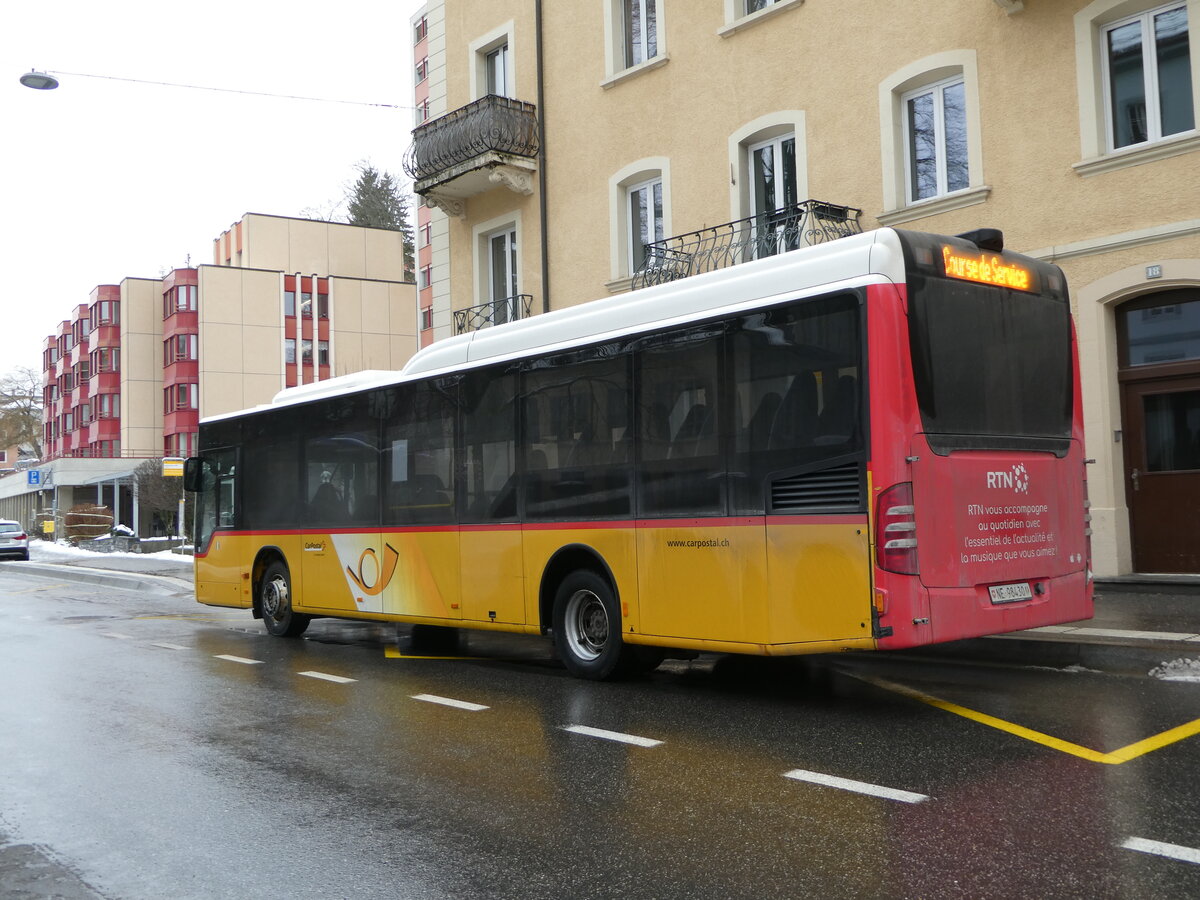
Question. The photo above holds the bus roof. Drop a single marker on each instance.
(849, 261)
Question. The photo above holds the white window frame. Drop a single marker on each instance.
(615, 68)
(477, 59)
(481, 241)
(1091, 65)
(774, 126)
(635, 174)
(893, 132)
(1150, 77)
(632, 239)
(938, 91)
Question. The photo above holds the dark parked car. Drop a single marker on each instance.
(13, 540)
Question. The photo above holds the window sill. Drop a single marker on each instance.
(634, 71)
(754, 18)
(620, 285)
(1136, 156)
(935, 206)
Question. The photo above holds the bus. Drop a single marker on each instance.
(869, 444)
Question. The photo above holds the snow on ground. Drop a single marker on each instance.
(1178, 670)
(61, 550)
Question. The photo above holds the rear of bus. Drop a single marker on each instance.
(980, 522)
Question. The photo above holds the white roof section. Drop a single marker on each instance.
(840, 264)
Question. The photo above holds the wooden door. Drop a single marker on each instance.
(1162, 471)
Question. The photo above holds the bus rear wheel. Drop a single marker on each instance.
(275, 601)
(587, 627)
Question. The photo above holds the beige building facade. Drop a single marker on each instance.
(567, 141)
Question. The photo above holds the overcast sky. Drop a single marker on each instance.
(102, 180)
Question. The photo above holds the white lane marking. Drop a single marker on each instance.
(613, 736)
(859, 787)
(1138, 635)
(446, 701)
(239, 659)
(1158, 848)
(167, 646)
(336, 679)
(117, 635)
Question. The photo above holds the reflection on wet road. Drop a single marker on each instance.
(159, 749)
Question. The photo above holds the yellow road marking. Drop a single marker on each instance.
(394, 653)
(1115, 758)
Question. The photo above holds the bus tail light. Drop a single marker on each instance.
(896, 530)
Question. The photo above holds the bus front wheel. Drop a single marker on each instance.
(587, 627)
(275, 598)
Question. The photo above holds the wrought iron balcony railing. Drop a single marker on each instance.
(446, 145)
(494, 312)
(755, 237)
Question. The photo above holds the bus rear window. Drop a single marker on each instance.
(992, 365)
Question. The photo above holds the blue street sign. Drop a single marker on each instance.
(35, 476)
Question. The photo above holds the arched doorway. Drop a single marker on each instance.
(1159, 344)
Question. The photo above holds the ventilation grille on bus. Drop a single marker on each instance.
(832, 489)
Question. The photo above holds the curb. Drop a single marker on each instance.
(155, 584)
(1117, 655)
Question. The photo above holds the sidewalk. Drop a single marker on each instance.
(1140, 621)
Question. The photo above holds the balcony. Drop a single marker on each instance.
(494, 312)
(491, 142)
(788, 228)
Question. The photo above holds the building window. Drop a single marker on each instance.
(931, 137)
(289, 351)
(180, 348)
(420, 30)
(645, 220)
(306, 304)
(423, 111)
(425, 277)
(773, 195)
(502, 268)
(323, 353)
(640, 21)
(108, 406)
(422, 70)
(181, 397)
(106, 360)
(935, 140)
(753, 6)
(426, 318)
(289, 303)
(1148, 77)
(179, 299)
(322, 306)
(105, 312)
(496, 70)
(306, 351)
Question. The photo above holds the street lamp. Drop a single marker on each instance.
(39, 81)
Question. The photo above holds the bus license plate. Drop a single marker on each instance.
(1010, 593)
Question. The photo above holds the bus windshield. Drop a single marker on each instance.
(990, 362)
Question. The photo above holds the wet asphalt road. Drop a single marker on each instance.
(139, 760)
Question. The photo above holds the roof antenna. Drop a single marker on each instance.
(985, 239)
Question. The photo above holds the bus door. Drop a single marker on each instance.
(492, 569)
(345, 566)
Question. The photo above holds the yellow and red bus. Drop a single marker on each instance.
(869, 444)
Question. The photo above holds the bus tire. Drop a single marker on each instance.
(275, 599)
(587, 627)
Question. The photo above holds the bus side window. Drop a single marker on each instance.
(489, 450)
(682, 467)
(420, 442)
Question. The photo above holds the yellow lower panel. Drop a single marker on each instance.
(820, 582)
(704, 581)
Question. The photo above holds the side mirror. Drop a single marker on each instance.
(193, 474)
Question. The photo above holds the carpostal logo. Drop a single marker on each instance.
(367, 571)
(1015, 479)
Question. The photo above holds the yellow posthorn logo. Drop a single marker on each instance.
(372, 578)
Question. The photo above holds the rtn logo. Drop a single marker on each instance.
(1016, 479)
